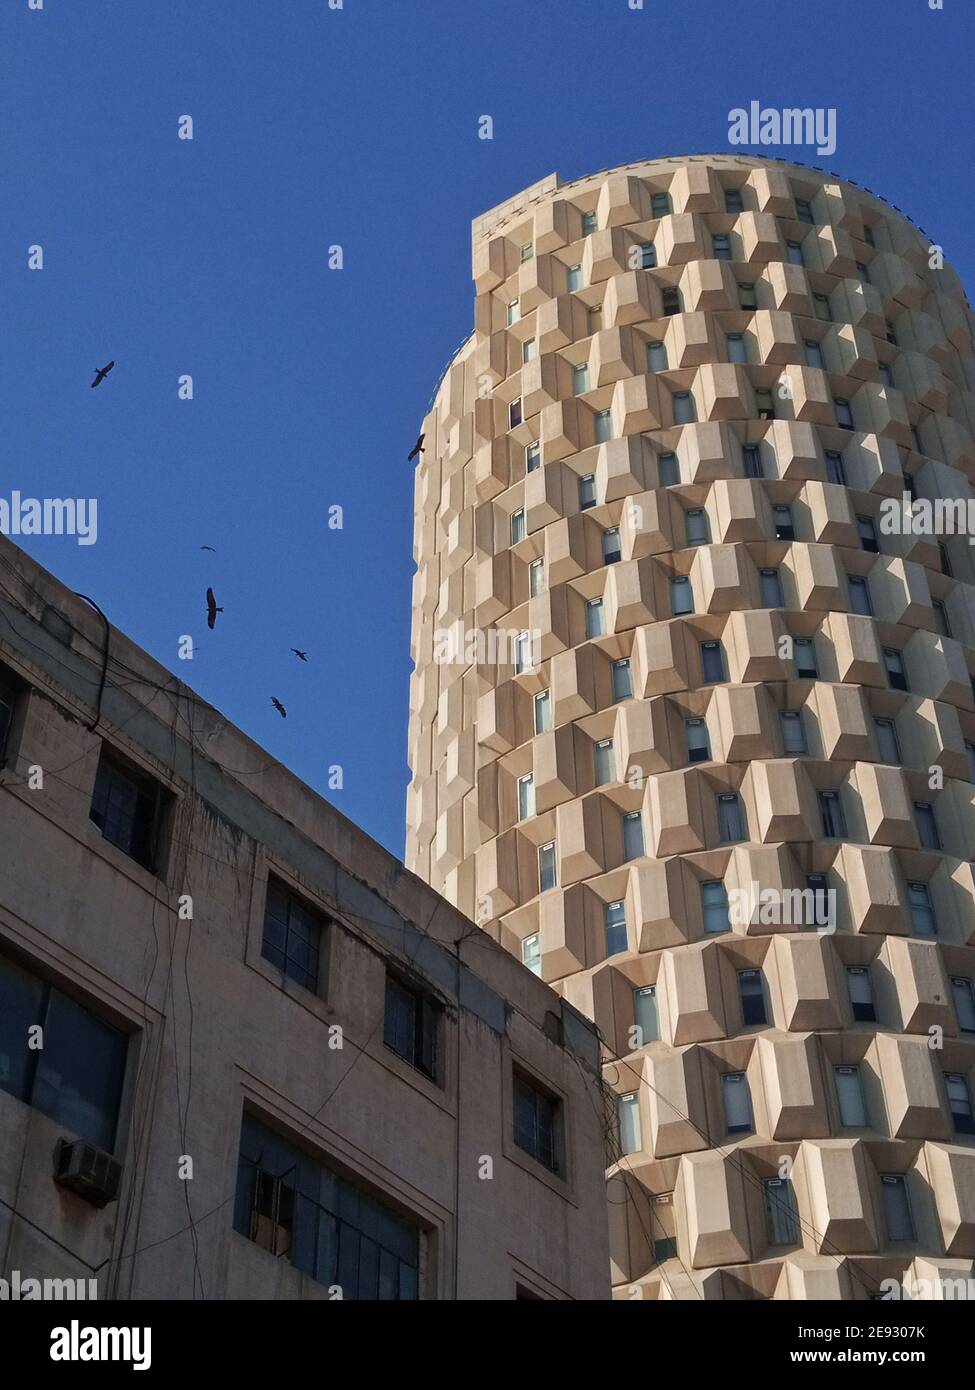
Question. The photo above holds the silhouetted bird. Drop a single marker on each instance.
(101, 373)
(212, 609)
(279, 707)
(417, 449)
(208, 547)
(302, 656)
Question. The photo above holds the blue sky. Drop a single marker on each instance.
(357, 127)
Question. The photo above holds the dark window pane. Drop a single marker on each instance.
(80, 1071)
(292, 937)
(125, 807)
(21, 1006)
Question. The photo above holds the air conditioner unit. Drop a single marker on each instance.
(89, 1172)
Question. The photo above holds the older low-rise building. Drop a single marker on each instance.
(244, 1053)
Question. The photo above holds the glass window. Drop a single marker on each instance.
(681, 595)
(737, 1102)
(959, 1102)
(814, 353)
(628, 1108)
(604, 761)
(603, 426)
(588, 223)
(633, 847)
(886, 375)
(298, 1209)
(963, 993)
(835, 472)
(844, 415)
(818, 886)
(514, 414)
(526, 252)
(536, 578)
(526, 797)
(722, 247)
(615, 919)
(537, 1123)
(849, 1095)
(523, 653)
(580, 379)
(752, 458)
(887, 745)
(714, 905)
(670, 301)
(587, 491)
(782, 522)
(731, 820)
(622, 682)
(411, 1025)
(732, 200)
(831, 812)
(822, 307)
(574, 278)
(771, 588)
(543, 711)
(746, 297)
(533, 456)
(648, 256)
(611, 545)
(659, 204)
(861, 995)
(927, 826)
(696, 521)
(76, 1077)
(803, 210)
(922, 915)
(889, 330)
(793, 733)
(764, 405)
(897, 1210)
(896, 677)
(805, 658)
(752, 998)
(531, 953)
(735, 347)
(126, 806)
(781, 1221)
(867, 532)
(943, 560)
(859, 595)
(712, 663)
(9, 692)
(547, 871)
(698, 747)
(793, 252)
(970, 751)
(941, 617)
(529, 350)
(595, 625)
(863, 274)
(292, 936)
(645, 1014)
(514, 311)
(668, 472)
(656, 357)
(868, 235)
(683, 408)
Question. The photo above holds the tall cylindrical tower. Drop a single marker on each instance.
(692, 722)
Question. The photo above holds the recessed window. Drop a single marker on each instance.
(771, 587)
(897, 1208)
(803, 210)
(604, 762)
(628, 1112)
(587, 491)
(514, 414)
(529, 350)
(861, 995)
(804, 650)
(683, 408)
(670, 301)
(547, 871)
(580, 379)
(517, 527)
(894, 666)
(329, 1227)
(886, 374)
(822, 307)
(574, 278)
(411, 1024)
(737, 1102)
(292, 936)
(543, 711)
(514, 311)
(696, 522)
(752, 459)
(959, 1103)
(782, 523)
(868, 235)
(732, 200)
(657, 357)
(633, 846)
(943, 560)
(714, 908)
(941, 617)
(526, 796)
(887, 746)
(128, 808)
(752, 998)
(611, 545)
(831, 814)
(531, 953)
(523, 654)
(793, 252)
(698, 748)
(11, 691)
(746, 296)
(859, 595)
(835, 472)
(818, 886)
(648, 256)
(603, 426)
(867, 532)
(814, 353)
(712, 663)
(588, 223)
(76, 1077)
(662, 1226)
(735, 347)
(731, 819)
(526, 252)
(622, 681)
(793, 733)
(863, 274)
(781, 1222)
(910, 485)
(721, 246)
(970, 753)
(668, 470)
(764, 404)
(659, 204)
(645, 1014)
(918, 448)
(595, 621)
(849, 1096)
(844, 415)
(615, 921)
(681, 595)
(963, 993)
(537, 1122)
(889, 330)
(536, 578)
(927, 826)
(923, 920)
(533, 456)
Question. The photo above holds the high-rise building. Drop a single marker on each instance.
(692, 721)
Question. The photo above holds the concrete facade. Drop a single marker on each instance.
(692, 721)
(374, 1098)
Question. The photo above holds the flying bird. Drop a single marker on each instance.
(101, 373)
(212, 609)
(208, 547)
(279, 707)
(417, 449)
(302, 656)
